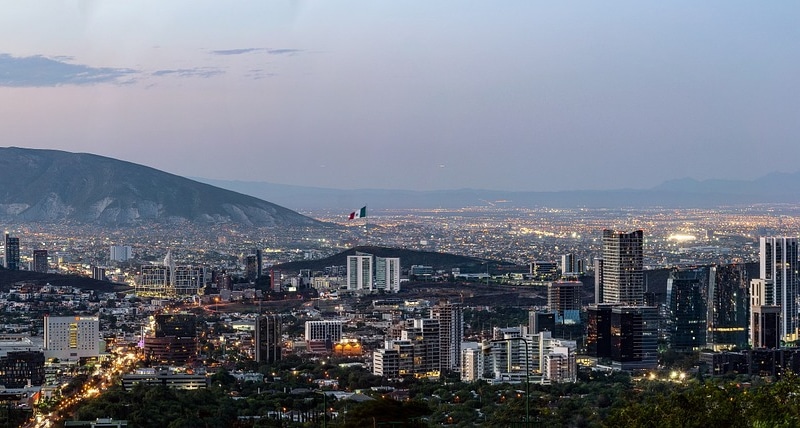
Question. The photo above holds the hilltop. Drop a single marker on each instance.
(52, 185)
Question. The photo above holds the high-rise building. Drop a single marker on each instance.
(40, 263)
(598, 281)
(267, 338)
(564, 299)
(571, 265)
(539, 321)
(170, 280)
(544, 270)
(779, 269)
(728, 307)
(687, 309)
(634, 337)
(451, 333)
(387, 274)
(324, 330)
(120, 253)
(174, 340)
(251, 267)
(359, 272)
(11, 258)
(598, 331)
(623, 264)
(72, 338)
(19, 368)
(765, 316)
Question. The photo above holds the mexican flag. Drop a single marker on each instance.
(359, 213)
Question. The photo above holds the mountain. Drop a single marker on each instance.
(51, 185)
(682, 193)
(407, 257)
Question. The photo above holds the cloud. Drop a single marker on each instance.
(283, 51)
(39, 71)
(235, 51)
(254, 50)
(204, 72)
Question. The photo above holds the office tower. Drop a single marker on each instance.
(623, 262)
(40, 261)
(779, 268)
(98, 273)
(259, 263)
(598, 331)
(728, 307)
(251, 267)
(359, 272)
(687, 309)
(571, 265)
(765, 317)
(425, 336)
(267, 338)
(451, 331)
(324, 330)
(71, 338)
(11, 258)
(174, 340)
(598, 281)
(634, 337)
(120, 253)
(275, 280)
(544, 270)
(539, 321)
(387, 274)
(564, 299)
(18, 368)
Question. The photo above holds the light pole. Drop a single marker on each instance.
(487, 349)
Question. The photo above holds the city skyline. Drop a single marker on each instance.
(504, 97)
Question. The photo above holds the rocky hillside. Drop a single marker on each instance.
(50, 185)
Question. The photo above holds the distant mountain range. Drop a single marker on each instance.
(51, 185)
(682, 193)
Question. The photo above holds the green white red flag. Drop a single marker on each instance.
(358, 213)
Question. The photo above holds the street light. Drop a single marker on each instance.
(487, 349)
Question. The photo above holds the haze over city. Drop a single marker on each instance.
(423, 95)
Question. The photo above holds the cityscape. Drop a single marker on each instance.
(316, 214)
(676, 297)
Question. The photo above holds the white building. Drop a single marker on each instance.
(387, 274)
(471, 361)
(324, 330)
(359, 272)
(72, 338)
(506, 359)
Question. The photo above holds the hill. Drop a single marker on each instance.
(10, 277)
(51, 185)
(407, 259)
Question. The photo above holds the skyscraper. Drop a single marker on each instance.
(728, 307)
(267, 338)
(564, 299)
(687, 309)
(623, 261)
(11, 258)
(387, 274)
(451, 333)
(40, 261)
(779, 268)
(359, 272)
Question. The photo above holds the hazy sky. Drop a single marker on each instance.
(515, 95)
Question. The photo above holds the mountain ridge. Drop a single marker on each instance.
(54, 185)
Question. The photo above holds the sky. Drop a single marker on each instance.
(418, 95)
